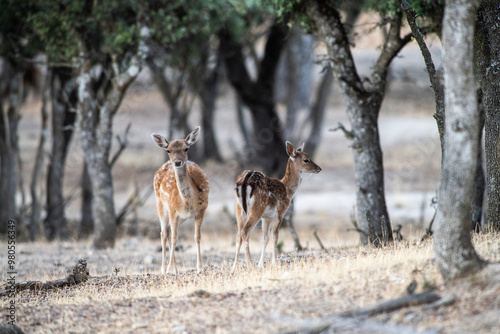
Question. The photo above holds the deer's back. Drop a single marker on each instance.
(255, 188)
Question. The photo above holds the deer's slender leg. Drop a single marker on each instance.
(253, 219)
(275, 226)
(239, 240)
(174, 223)
(197, 237)
(265, 239)
(164, 234)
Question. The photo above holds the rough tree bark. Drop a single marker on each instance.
(98, 106)
(479, 176)
(64, 103)
(8, 143)
(87, 221)
(487, 46)
(258, 95)
(455, 254)
(363, 102)
(103, 80)
(39, 160)
(438, 87)
(96, 122)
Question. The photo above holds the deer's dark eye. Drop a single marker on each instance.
(307, 161)
(168, 151)
(186, 149)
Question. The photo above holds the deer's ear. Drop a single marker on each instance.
(301, 148)
(193, 136)
(290, 150)
(161, 141)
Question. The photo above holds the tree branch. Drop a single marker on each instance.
(124, 78)
(135, 200)
(123, 145)
(275, 43)
(318, 240)
(411, 16)
(393, 44)
(348, 134)
(436, 84)
(331, 30)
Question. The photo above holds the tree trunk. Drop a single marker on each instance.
(455, 254)
(363, 104)
(439, 115)
(39, 159)
(268, 144)
(8, 148)
(64, 101)
(487, 46)
(87, 221)
(479, 178)
(245, 131)
(368, 167)
(96, 127)
(208, 95)
(98, 106)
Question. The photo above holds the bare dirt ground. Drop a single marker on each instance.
(127, 294)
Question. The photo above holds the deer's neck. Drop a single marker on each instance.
(292, 178)
(183, 182)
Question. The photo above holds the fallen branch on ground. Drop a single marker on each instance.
(336, 324)
(355, 319)
(393, 304)
(79, 274)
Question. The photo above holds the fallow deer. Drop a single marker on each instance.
(182, 187)
(259, 196)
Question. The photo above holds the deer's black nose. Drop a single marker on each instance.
(177, 163)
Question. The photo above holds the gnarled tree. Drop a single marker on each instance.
(363, 101)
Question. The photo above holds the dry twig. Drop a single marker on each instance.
(319, 240)
(79, 274)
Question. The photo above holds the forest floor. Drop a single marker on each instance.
(127, 294)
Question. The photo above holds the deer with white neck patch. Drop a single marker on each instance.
(259, 196)
(182, 187)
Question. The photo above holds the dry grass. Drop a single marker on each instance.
(307, 285)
